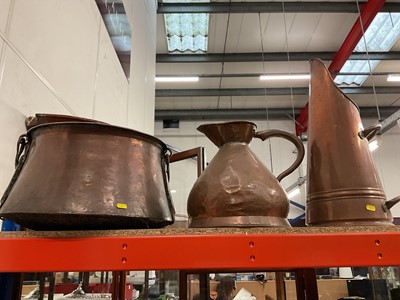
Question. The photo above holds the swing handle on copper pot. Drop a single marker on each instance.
(263, 135)
(191, 153)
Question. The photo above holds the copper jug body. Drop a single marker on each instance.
(84, 175)
(236, 189)
(344, 187)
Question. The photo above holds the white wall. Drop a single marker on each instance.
(68, 47)
(9, 135)
(66, 42)
(387, 159)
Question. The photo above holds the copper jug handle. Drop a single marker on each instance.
(263, 135)
(370, 132)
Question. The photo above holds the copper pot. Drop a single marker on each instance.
(84, 175)
(344, 187)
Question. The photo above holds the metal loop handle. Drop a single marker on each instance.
(21, 149)
(167, 160)
(370, 132)
(388, 204)
(263, 135)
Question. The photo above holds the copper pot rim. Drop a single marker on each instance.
(99, 128)
(61, 116)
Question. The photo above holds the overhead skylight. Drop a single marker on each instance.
(381, 35)
(187, 33)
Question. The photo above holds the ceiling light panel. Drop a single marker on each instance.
(187, 33)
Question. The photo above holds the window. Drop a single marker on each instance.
(381, 35)
(187, 33)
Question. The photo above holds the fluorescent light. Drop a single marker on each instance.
(293, 193)
(393, 77)
(373, 145)
(285, 77)
(177, 79)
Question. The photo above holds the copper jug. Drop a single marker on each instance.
(343, 184)
(236, 189)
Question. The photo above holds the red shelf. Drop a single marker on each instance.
(189, 249)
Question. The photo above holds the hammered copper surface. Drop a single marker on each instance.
(236, 189)
(90, 176)
(343, 184)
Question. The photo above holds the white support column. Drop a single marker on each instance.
(142, 16)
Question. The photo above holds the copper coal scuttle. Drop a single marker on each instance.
(344, 187)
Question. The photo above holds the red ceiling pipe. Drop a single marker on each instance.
(367, 14)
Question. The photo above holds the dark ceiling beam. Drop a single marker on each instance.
(267, 7)
(267, 91)
(223, 114)
(254, 114)
(255, 75)
(229, 92)
(107, 7)
(269, 56)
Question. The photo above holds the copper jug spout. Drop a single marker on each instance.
(344, 187)
(222, 133)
